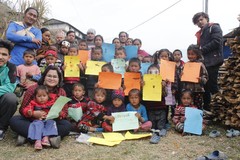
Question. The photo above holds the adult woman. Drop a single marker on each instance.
(98, 40)
(117, 43)
(24, 35)
(51, 78)
(141, 53)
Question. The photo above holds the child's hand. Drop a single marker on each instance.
(39, 115)
(96, 85)
(120, 88)
(138, 116)
(111, 119)
(30, 113)
(29, 75)
(64, 67)
(164, 83)
(81, 66)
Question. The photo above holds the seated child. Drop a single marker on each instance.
(95, 113)
(28, 73)
(135, 105)
(40, 129)
(50, 59)
(179, 114)
(116, 106)
(79, 100)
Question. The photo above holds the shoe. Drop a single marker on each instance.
(2, 134)
(21, 140)
(83, 128)
(55, 141)
(214, 134)
(163, 132)
(38, 145)
(155, 138)
(106, 127)
(215, 155)
(45, 141)
(232, 133)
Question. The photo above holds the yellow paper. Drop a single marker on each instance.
(94, 67)
(72, 69)
(152, 89)
(103, 141)
(128, 135)
(167, 70)
(113, 137)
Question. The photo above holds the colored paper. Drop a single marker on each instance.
(72, 69)
(113, 137)
(125, 121)
(57, 107)
(191, 72)
(131, 52)
(108, 51)
(119, 66)
(152, 89)
(131, 81)
(84, 56)
(144, 68)
(75, 113)
(167, 70)
(103, 141)
(109, 80)
(129, 136)
(94, 67)
(193, 121)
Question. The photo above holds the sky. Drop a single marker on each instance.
(172, 29)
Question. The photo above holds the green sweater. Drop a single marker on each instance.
(7, 78)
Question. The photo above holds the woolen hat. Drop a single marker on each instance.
(118, 94)
(51, 53)
(91, 30)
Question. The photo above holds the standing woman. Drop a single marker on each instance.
(24, 35)
(52, 79)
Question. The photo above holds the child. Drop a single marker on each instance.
(79, 100)
(135, 105)
(64, 47)
(50, 59)
(147, 59)
(179, 114)
(120, 53)
(92, 79)
(177, 55)
(134, 65)
(116, 106)
(157, 110)
(40, 129)
(83, 45)
(28, 73)
(95, 113)
(69, 81)
(129, 42)
(194, 55)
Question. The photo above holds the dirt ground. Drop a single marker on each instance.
(172, 147)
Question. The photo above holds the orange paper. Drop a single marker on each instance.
(131, 81)
(191, 72)
(167, 70)
(109, 80)
(83, 55)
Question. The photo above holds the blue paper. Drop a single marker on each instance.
(131, 52)
(108, 51)
(144, 67)
(194, 120)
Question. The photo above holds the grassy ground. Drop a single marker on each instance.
(171, 147)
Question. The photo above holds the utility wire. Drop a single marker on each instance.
(154, 16)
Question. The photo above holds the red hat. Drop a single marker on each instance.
(51, 53)
(118, 94)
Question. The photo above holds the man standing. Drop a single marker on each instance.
(24, 35)
(209, 38)
(90, 38)
(8, 100)
(71, 37)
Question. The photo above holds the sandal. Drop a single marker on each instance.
(155, 138)
(214, 134)
(45, 141)
(38, 145)
(217, 155)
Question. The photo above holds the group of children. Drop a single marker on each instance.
(98, 104)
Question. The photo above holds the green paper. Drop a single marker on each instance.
(57, 107)
(75, 113)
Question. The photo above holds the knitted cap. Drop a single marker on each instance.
(118, 94)
(65, 43)
(51, 53)
(91, 30)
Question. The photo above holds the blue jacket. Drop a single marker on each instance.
(141, 110)
(8, 74)
(21, 43)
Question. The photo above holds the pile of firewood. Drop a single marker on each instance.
(225, 105)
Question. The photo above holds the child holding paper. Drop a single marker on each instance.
(79, 100)
(40, 129)
(157, 110)
(69, 81)
(179, 114)
(194, 55)
(135, 105)
(95, 113)
(116, 106)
